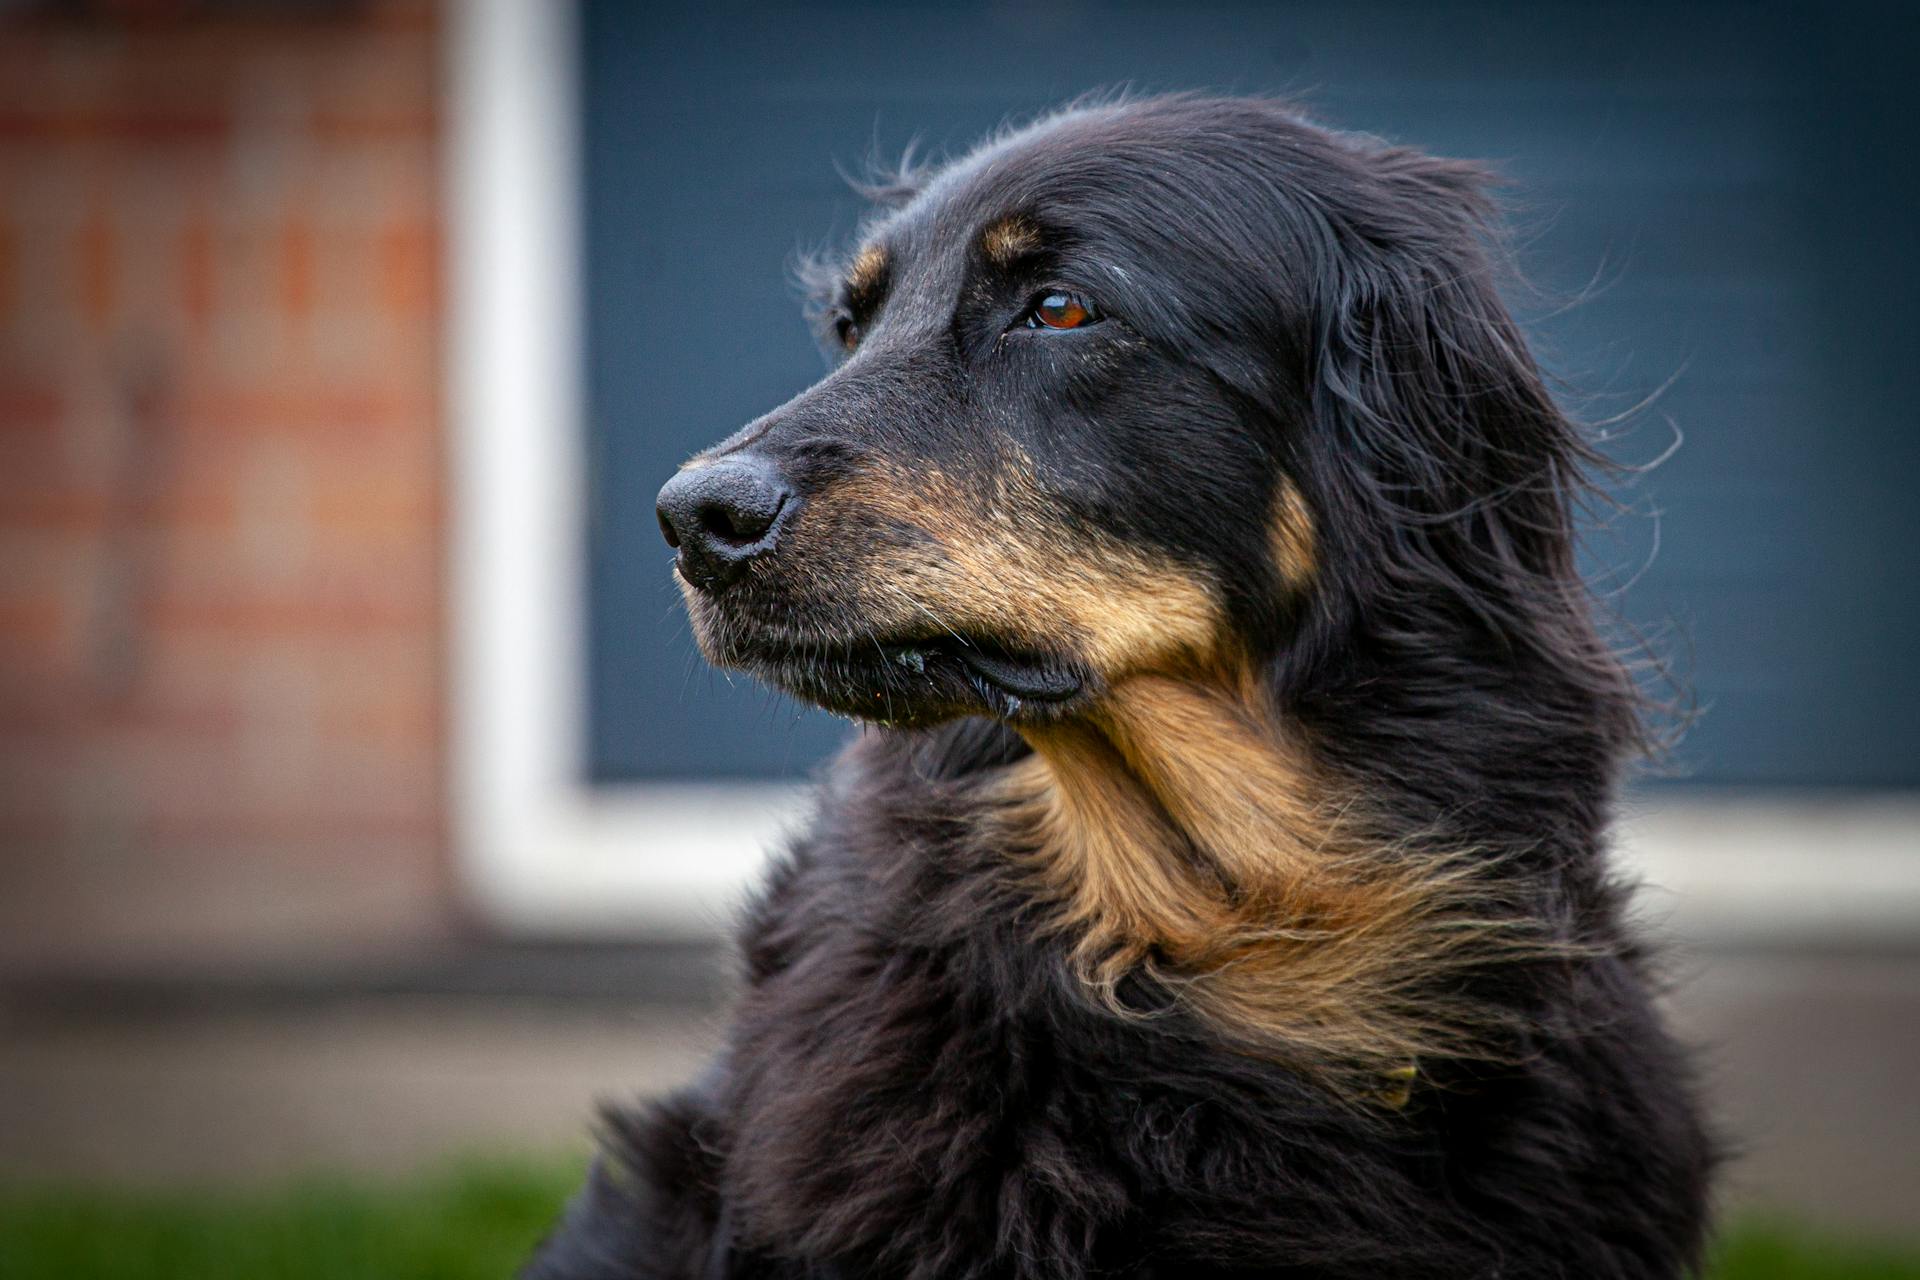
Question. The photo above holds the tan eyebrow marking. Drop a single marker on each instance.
(1005, 242)
(866, 272)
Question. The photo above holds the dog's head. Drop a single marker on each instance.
(1159, 387)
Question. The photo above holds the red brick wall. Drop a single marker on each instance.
(220, 495)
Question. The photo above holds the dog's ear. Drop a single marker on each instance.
(1448, 443)
(1455, 474)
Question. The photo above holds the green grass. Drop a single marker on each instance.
(478, 1219)
(1768, 1251)
(475, 1219)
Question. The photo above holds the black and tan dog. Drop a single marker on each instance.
(1223, 891)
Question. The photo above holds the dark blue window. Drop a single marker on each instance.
(1734, 181)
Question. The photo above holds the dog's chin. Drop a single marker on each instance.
(906, 680)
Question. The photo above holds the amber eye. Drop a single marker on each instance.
(848, 331)
(1061, 311)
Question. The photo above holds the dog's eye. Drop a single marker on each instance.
(1060, 311)
(847, 331)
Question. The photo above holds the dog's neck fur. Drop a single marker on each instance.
(1183, 833)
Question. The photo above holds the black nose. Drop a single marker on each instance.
(722, 515)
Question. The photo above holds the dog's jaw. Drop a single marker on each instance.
(905, 680)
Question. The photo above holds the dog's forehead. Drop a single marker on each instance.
(1133, 193)
(991, 205)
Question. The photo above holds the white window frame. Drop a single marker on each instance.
(539, 850)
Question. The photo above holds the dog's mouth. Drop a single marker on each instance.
(902, 680)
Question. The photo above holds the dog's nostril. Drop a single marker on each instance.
(724, 522)
(666, 529)
(740, 518)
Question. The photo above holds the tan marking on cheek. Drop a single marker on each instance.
(1007, 241)
(1291, 539)
(1004, 563)
(844, 503)
(1144, 614)
(1120, 610)
(867, 269)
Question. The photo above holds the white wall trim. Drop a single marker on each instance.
(1730, 867)
(541, 851)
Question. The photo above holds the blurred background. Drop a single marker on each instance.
(365, 812)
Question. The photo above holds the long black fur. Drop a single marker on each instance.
(915, 1083)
